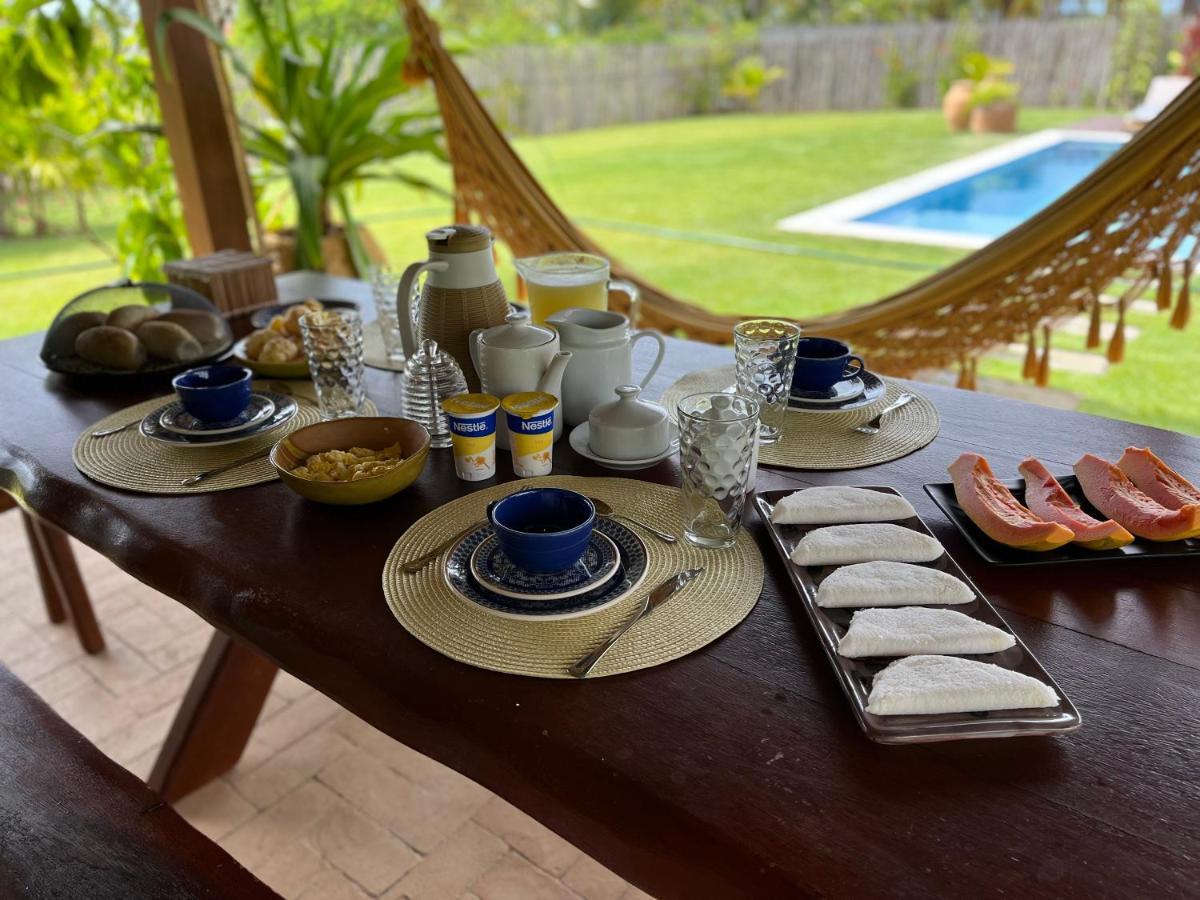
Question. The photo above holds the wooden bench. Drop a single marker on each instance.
(75, 824)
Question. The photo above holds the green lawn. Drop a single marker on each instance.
(714, 179)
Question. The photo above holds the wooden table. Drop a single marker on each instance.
(737, 771)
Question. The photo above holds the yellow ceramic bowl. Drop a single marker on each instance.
(375, 433)
(295, 369)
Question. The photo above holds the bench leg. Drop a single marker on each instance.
(62, 585)
(215, 718)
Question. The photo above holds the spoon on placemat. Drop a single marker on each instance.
(603, 509)
(196, 479)
(872, 427)
(107, 431)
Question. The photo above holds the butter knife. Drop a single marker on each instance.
(650, 602)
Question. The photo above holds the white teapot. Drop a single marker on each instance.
(516, 357)
(601, 348)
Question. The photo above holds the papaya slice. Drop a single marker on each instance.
(996, 511)
(1110, 491)
(1156, 479)
(1045, 497)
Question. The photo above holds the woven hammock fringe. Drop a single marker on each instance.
(1163, 270)
(1029, 370)
(1093, 335)
(1183, 306)
(1043, 369)
(1116, 346)
(967, 368)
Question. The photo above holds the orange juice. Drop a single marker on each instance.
(562, 281)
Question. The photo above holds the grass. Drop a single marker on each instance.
(715, 178)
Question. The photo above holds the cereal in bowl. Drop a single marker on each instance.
(354, 464)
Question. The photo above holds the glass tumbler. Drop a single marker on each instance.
(385, 285)
(718, 436)
(333, 345)
(765, 350)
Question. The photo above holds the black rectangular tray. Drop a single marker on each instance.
(999, 554)
(856, 675)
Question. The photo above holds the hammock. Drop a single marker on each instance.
(1127, 221)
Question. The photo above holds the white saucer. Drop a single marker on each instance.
(579, 443)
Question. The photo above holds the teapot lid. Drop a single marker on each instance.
(518, 333)
(458, 239)
(627, 411)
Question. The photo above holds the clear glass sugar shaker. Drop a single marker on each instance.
(431, 376)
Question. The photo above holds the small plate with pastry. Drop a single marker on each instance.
(276, 350)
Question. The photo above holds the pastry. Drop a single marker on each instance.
(169, 341)
(924, 685)
(279, 350)
(891, 584)
(113, 348)
(912, 630)
(130, 317)
(841, 544)
(835, 504)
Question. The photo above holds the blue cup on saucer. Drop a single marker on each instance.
(214, 393)
(543, 529)
(821, 363)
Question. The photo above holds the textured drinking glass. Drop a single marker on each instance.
(385, 284)
(333, 345)
(765, 350)
(718, 435)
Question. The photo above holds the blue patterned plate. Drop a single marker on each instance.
(631, 571)
(873, 389)
(177, 419)
(496, 572)
(285, 409)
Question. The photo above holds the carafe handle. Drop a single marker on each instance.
(406, 295)
(662, 349)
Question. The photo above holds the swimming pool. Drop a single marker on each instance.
(971, 201)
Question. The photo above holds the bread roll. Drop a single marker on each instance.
(61, 339)
(130, 317)
(169, 341)
(113, 348)
(280, 350)
(258, 340)
(206, 327)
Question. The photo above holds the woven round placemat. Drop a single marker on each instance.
(135, 463)
(828, 440)
(702, 612)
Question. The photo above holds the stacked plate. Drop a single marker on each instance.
(173, 425)
(612, 567)
(849, 393)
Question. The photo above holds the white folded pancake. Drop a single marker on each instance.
(839, 504)
(885, 583)
(841, 544)
(914, 630)
(925, 685)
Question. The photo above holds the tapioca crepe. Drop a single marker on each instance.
(840, 504)
(916, 630)
(884, 583)
(841, 544)
(926, 685)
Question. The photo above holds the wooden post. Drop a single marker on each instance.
(201, 129)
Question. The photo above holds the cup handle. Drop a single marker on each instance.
(848, 372)
(629, 289)
(662, 350)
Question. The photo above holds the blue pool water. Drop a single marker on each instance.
(993, 202)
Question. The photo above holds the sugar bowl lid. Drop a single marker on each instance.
(628, 411)
(518, 333)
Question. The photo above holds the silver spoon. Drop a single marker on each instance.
(872, 427)
(107, 431)
(603, 509)
(196, 479)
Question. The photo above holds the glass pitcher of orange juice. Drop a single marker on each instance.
(568, 280)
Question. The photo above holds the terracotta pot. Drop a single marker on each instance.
(956, 105)
(335, 250)
(995, 117)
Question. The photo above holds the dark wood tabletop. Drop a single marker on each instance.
(738, 770)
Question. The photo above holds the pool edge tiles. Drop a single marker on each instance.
(841, 217)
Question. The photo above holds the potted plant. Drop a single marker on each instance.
(330, 115)
(992, 103)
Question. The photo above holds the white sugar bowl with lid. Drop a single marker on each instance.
(628, 428)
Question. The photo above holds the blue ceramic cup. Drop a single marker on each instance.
(543, 529)
(214, 393)
(823, 362)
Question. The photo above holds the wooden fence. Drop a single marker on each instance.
(1060, 62)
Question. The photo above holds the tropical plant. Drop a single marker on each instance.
(748, 77)
(902, 83)
(990, 79)
(329, 114)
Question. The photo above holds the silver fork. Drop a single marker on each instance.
(196, 479)
(872, 427)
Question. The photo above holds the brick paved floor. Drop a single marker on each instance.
(322, 806)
